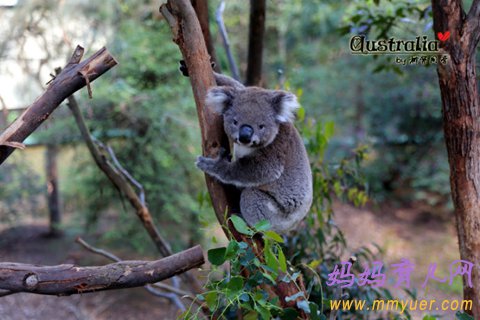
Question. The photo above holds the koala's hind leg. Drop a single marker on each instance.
(256, 205)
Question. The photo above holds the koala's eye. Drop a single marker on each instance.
(235, 122)
(262, 126)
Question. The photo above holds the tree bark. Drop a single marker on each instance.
(225, 199)
(68, 279)
(461, 124)
(255, 42)
(74, 76)
(52, 190)
(201, 9)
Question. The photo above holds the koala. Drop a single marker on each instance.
(270, 163)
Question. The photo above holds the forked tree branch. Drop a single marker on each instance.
(74, 76)
(68, 279)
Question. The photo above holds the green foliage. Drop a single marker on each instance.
(399, 108)
(459, 315)
(244, 286)
(317, 248)
(367, 16)
(463, 316)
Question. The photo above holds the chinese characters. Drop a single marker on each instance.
(401, 273)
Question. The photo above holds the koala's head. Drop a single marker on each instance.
(252, 115)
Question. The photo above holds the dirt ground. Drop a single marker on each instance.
(411, 234)
(401, 233)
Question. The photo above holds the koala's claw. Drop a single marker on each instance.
(184, 70)
(223, 153)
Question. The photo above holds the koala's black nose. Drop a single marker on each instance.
(245, 134)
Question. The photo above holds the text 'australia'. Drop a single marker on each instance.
(360, 45)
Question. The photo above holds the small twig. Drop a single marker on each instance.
(226, 42)
(16, 145)
(101, 252)
(170, 296)
(170, 20)
(127, 175)
(85, 75)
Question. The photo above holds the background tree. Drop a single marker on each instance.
(461, 123)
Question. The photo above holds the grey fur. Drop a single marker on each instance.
(273, 169)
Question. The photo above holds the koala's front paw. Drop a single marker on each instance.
(205, 164)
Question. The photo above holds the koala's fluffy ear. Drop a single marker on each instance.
(220, 98)
(285, 104)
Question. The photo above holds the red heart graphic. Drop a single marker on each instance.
(443, 36)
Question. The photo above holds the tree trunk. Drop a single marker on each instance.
(461, 124)
(52, 190)
(255, 42)
(201, 9)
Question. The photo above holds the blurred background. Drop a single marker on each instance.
(373, 130)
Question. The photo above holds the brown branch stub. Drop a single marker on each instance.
(13, 144)
(64, 85)
(77, 55)
(69, 279)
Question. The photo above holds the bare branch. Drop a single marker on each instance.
(226, 42)
(155, 286)
(120, 182)
(69, 279)
(474, 12)
(255, 42)
(64, 85)
(101, 252)
(473, 25)
(127, 175)
(170, 296)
